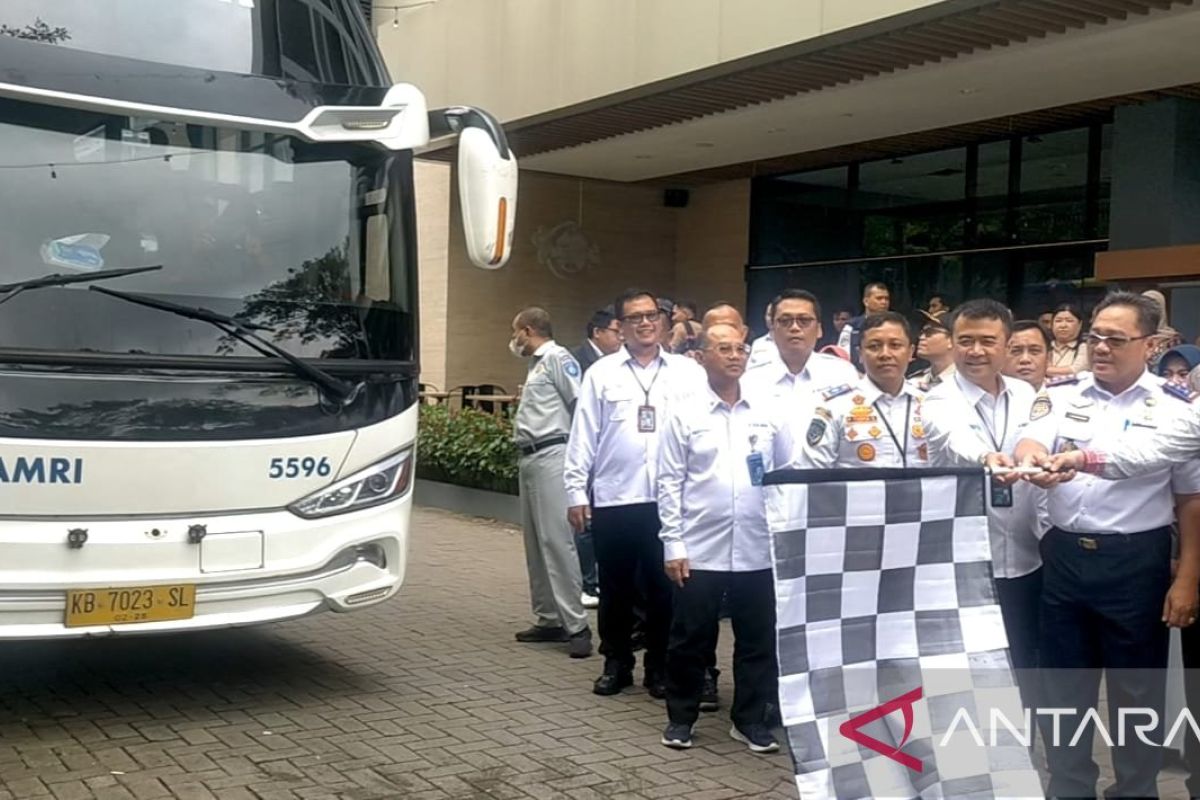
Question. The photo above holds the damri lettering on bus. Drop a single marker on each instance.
(38, 469)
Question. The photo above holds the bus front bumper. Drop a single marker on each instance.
(303, 567)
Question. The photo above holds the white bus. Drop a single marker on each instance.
(208, 310)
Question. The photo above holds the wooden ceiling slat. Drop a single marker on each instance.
(957, 44)
(1006, 34)
(1030, 28)
(1038, 13)
(1083, 10)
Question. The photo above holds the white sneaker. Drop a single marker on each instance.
(590, 601)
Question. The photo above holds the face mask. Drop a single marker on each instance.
(516, 348)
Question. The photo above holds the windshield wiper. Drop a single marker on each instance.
(345, 393)
(64, 279)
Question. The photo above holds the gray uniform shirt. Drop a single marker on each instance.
(548, 396)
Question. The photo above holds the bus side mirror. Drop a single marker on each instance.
(487, 188)
(487, 181)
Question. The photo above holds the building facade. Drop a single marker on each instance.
(1029, 150)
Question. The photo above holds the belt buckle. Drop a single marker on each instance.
(1088, 543)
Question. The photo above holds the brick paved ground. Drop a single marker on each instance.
(425, 697)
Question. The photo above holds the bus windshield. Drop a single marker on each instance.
(323, 42)
(295, 237)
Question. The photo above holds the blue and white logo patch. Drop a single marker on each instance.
(571, 367)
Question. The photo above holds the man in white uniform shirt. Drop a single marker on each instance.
(763, 349)
(977, 411)
(715, 542)
(875, 422)
(798, 372)
(624, 404)
(1108, 588)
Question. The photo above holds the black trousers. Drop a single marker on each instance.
(1020, 605)
(1102, 599)
(626, 540)
(694, 637)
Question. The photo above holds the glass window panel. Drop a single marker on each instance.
(914, 204)
(801, 217)
(1105, 188)
(991, 195)
(1052, 203)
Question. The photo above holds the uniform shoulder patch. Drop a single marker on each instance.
(1042, 406)
(1062, 380)
(816, 428)
(1179, 392)
(570, 366)
(835, 391)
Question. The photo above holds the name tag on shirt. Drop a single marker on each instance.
(646, 419)
(754, 462)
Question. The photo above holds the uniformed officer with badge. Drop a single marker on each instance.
(541, 429)
(1107, 583)
(876, 421)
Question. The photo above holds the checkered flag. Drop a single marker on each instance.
(894, 676)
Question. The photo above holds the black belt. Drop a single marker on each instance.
(1089, 541)
(530, 449)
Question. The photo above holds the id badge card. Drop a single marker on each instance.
(754, 462)
(1002, 496)
(645, 419)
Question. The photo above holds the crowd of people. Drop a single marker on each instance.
(650, 442)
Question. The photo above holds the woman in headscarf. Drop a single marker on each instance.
(1178, 362)
(1067, 354)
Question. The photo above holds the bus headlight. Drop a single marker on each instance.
(379, 483)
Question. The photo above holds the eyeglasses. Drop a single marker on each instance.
(787, 321)
(728, 349)
(638, 319)
(1113, 342)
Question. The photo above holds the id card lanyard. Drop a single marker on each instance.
(1002, 496)
(884, 418)
(646, 421)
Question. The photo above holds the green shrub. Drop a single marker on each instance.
(468, 448)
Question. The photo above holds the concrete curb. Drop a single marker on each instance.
(463, 500)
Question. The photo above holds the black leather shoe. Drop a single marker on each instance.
(538, 633)
(655, 682)
(612, 682)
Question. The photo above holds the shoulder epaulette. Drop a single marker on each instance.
(1062, 380)
(835, 391)
(1179, 392)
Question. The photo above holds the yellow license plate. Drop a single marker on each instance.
(130, 605)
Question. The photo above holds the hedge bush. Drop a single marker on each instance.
(467, 447)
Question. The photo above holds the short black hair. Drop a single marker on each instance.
(844, 310)
(599, 321)
(1071, 309)
(983, 308)
(873, 285)
(690, 305)
(796, 294)
(872, 321)
(536, 319)
(1022, 325)
(1149, 313)
(631, 294)
(938, 296)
